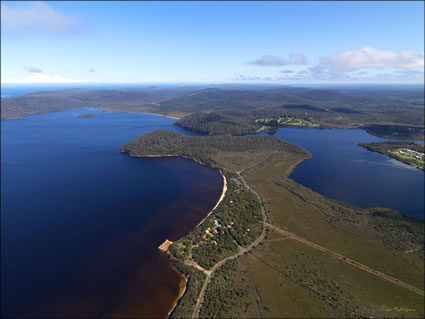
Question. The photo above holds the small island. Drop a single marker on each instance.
(406, 152)
(85, 115)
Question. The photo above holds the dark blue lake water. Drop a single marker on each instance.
(81, 222)
(342, 170)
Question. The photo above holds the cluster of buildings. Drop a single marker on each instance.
(412, 153)
(211, 233)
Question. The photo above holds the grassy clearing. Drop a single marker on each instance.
(394, 149)
(283, 278)
(313, 218)
(418, 163)
(286, 279)
(283, 121)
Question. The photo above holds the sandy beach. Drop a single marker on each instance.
(182, 290)
(183, 283)
(223, 193)
(171, 117)
(111, 110)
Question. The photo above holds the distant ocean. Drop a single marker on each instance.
(11, 90)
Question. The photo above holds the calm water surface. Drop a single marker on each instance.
(81, 222)
(342, 170)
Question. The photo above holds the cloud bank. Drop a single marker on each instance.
(366, 64)
(368, 57)
(37, 17)
(271, 60)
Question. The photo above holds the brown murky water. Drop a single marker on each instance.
(129, 276)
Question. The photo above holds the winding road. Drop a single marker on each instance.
(240, 252)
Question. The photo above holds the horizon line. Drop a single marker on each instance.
(210, 83)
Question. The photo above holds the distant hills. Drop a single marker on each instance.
(236, 109)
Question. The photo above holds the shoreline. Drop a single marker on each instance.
(111, 110)
(171, 117)
(365, 146)
(223, 193)
(182, 288)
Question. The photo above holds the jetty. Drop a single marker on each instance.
(165, 245)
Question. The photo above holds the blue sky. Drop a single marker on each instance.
(212, 42)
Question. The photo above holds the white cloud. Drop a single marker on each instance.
(92, 70)
(36, 16)
(33, 69)
(369, 57)
(241, 77)
(43, 78)
(322, 74)
(269, 60)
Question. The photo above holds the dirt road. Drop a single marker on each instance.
(289, 235)
(346, 260)
(240, 252)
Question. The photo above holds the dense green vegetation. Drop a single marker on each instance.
(213, 240)
(216, 124)
(409, 153)
(398, 132)
(134, 100)
(224, 297)
(206, 149)
(236, 222)
(286, 121)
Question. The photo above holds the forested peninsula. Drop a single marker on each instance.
(275, 248)
(407, 152)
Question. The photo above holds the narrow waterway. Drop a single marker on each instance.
(343, 170)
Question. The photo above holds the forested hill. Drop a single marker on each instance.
(134, 100)
(205, 149)
(218, 124)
